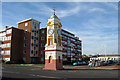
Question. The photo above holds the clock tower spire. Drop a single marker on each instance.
(53, 47)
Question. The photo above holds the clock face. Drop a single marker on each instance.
(50, 31)
(59, 32)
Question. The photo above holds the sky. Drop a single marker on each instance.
(95, 23)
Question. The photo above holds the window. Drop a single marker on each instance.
(24, 44)
(31, 51)
(50, 59)
(42, 31)
(9, 31)
(36, 45)
(9, 37)
(50, 41)
(26, 24)
(34, 41)
(36, 31)
(34, 48)
(32, 44)
(25, 38)
(32, 37)
(42, 52)
(35, 34)
(59, 59)
(68, 41)
(25, 31)
(68, 51)
(42, 38)
(59, 41)
(2, 52)
(35, 27)
(42, 45)
(36, 38)
(24, 59)
(24, 51)
(36, 52)
(41, 59)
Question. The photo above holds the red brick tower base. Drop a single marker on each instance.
(54, 65)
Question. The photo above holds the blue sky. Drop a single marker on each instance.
(96, 23)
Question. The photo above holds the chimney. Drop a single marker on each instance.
(6, 27)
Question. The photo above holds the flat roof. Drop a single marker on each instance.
(27, 20)
(68, 32)
(109, 55)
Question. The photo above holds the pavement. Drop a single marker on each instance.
(111, 66)
(36, 72)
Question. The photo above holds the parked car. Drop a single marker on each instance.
(84, 62)
(110, 61)
(105, 63)
(77, 63)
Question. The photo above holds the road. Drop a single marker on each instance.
(27, 72)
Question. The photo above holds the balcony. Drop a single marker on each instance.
(64, 39)
(76, 47)
(73, 51)
(0, 42)
(65, 51)
(73, 42)
(65, 45)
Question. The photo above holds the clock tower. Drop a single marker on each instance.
(53, 47)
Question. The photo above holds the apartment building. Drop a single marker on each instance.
(11, 44)
(72, 46)
(27, 43)
(31, 42)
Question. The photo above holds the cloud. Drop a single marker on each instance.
(46, 10)
(69, 12)
(97, 10)
(112, 5)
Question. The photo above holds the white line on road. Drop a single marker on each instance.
(11, 72)
(43, 76)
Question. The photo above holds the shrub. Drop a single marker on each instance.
(8, 62)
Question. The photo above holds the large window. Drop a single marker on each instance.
(50, 59)
(50, 41)
(59, 59)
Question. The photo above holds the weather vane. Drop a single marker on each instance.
(54, 11)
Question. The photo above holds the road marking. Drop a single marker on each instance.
(11, 72)
(43, 76)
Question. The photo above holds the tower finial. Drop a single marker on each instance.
(54, 11)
